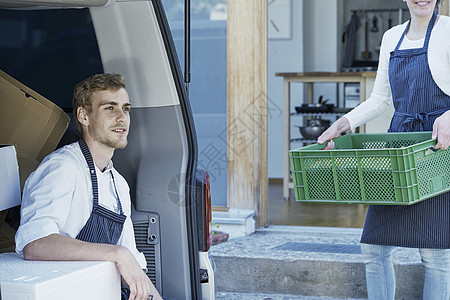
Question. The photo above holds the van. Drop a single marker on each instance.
(51, 45)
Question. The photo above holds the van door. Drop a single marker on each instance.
(132, 38)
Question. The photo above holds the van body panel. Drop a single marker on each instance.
(130, 42)
(154, 164)
(26, 4)
(162, 150)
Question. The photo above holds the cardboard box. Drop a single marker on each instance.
(30, 122)
(7, 233)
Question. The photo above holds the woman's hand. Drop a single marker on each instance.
(441, 131)
(334, 131)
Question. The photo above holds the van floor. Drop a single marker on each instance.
(291, 212)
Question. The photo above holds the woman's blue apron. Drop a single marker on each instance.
(103, 226)
(418, 101)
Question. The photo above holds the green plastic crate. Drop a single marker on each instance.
(390, 168)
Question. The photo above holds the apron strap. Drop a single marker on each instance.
(87, 155)
(429, 29)
(119, 205)
(427, 36)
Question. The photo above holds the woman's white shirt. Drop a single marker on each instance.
(438, 60)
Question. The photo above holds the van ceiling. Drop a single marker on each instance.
(52, 3)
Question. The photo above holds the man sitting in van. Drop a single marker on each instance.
(76, 206)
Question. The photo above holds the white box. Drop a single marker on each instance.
(351, 95)
(55, 280)
(9, 178)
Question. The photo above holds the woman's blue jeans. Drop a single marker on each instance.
(380, 275)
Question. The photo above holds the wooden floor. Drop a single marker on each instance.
(291, 212)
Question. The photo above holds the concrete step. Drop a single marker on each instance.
(306, 262)
(259, 296)
(235, 222)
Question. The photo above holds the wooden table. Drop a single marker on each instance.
(365, 80)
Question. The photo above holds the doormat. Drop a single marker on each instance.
(323, 248)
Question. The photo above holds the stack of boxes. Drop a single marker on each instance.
(31, 128)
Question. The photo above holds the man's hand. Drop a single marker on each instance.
(141, 287)
(441, 131)
(334, 131)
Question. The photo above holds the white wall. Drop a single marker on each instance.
(320, 35)
(283, 56)
(313, 47)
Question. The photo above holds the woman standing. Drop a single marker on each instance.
(414, 70)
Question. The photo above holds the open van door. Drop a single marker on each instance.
(171, 198)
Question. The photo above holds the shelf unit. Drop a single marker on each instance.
(365, 80)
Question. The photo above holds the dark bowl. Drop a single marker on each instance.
(312, 132)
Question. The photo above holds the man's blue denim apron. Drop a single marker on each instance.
(103, 226)
(418, 101)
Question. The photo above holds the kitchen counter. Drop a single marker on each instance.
(331, 75)
(316, 77)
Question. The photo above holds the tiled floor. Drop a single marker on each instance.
(282, 212)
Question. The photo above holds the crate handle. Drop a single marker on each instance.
(431, 150)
